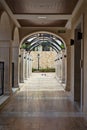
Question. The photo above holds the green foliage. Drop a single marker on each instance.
(62, 46)
(24, 46)
(44, 70)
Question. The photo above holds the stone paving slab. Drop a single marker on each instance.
(42, 104)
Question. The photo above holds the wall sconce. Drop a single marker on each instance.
(71, 42)
(24, 57)
(19, 55)
(64, 56)
(79, 36)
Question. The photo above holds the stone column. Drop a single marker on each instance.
(65, 60)
(60, 67)
(25, 65)
(30, 66)
(63, 66)
(15, 60)
(10, 68)
(22, 66)
(56, 67)
(68, 68)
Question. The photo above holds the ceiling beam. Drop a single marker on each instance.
(38, 44)
(68, 24)
(9, 12)
(35, 16)
(50, 46)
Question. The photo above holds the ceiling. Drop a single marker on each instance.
(41, 6)
(1, 8)
(46, 23)
(32, 8)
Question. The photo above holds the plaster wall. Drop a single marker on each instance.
(80, 16)
(5, 56)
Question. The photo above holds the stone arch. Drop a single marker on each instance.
(62, 53)
(5, 27)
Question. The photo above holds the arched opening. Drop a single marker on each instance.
(34, 50)
(5, 53)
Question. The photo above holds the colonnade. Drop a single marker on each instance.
(25, 65)
(61, 67)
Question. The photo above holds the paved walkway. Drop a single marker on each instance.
(42, 104)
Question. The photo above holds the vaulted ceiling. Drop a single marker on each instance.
(42, 13)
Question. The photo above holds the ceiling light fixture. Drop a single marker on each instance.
(42, 17)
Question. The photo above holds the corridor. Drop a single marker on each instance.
(42, 104)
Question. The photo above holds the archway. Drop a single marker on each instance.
(55, 42)
(6, 51)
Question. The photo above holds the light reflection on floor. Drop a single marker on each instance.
(42, 104)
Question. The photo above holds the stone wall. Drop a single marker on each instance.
(46, 60)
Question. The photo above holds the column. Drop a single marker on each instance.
(15, 61)
(10, 69)
(68, 68)
(22, 66)
(26, 65)
(63, 66)
(60, 67)
(56, 66)
(30, 66)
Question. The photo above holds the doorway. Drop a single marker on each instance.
(12, 74)
(1, 78)
(78, 67)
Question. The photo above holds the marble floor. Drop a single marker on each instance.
(42, 104)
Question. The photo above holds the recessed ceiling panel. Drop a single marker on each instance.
(42, 6)
(57, 23)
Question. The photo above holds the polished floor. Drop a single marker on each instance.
(42, 104)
